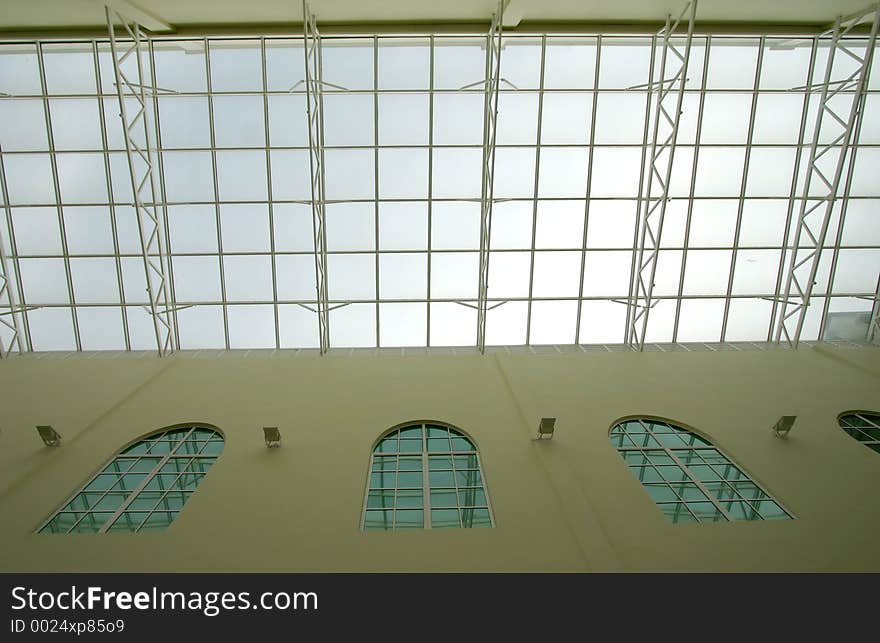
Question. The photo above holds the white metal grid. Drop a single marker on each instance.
(407, 271)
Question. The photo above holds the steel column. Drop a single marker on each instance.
(143, 180)
(315, 111)
(490, 118)
(809, 237)
(667, 109)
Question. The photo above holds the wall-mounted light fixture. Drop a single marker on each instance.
(50, 436)
(545, 428)
(272, 435)
(783, 425)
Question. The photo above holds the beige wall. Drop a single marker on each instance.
(568, 504)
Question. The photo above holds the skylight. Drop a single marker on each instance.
(403, 164)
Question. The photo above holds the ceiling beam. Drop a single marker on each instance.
(146, 20)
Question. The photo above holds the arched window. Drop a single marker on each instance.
(864, 426)
(425, 475)
(688, 478)
(144, 486)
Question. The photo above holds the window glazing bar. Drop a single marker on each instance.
(490, 118)
(143, 179)
(820, 190)
(315, 112)
(669, 90)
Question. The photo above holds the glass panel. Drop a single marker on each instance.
(677, 512)
(409, 519)
(383, 480)
(442, 518)
(91, 522)
(158, 521)
(440, 479)
(128, 521)
(380, 499)
(475, 518)
(660, 493)
(443, 498)
(379, 519)
(706, 512)
(409, 499)
(410, 464)
(144, 501)
(409, 479)
(440, 462)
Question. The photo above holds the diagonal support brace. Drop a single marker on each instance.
(667, 95)
(840, 115)
(131, 87)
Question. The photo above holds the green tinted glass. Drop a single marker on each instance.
(441, 518)
(443, 498)
(382, 519)
(158, 521)
(409, 519)
(409, 499)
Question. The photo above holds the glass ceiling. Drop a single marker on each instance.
(403, 180)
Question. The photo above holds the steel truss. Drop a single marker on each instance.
(490, 119)
(141, 157)
(315, 111)
(811, 230)
(873, 334)
(658, 166)
(8, 318)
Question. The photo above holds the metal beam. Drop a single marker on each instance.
(490, 119)
(873, 335)
(315, 111)
(144, 19)
(8, 323)
(669, 90)
(141, 158)
(819, 193)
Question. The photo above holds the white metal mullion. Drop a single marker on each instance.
(630, 308)
(272, 256)
(490, 117)
(143, 483)
(743, 186)
(692, 189)
(216, 190)
(535, 191)
(315, 113)
(643, 288)
(53, 160)
(798, 290)
(376, 181)
(592, 143)
(110, 196)
(149, 220)
(430, 203)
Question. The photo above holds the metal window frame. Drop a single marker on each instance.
(13, 258)
(693, 478)
(426, 486)
(148, 476)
